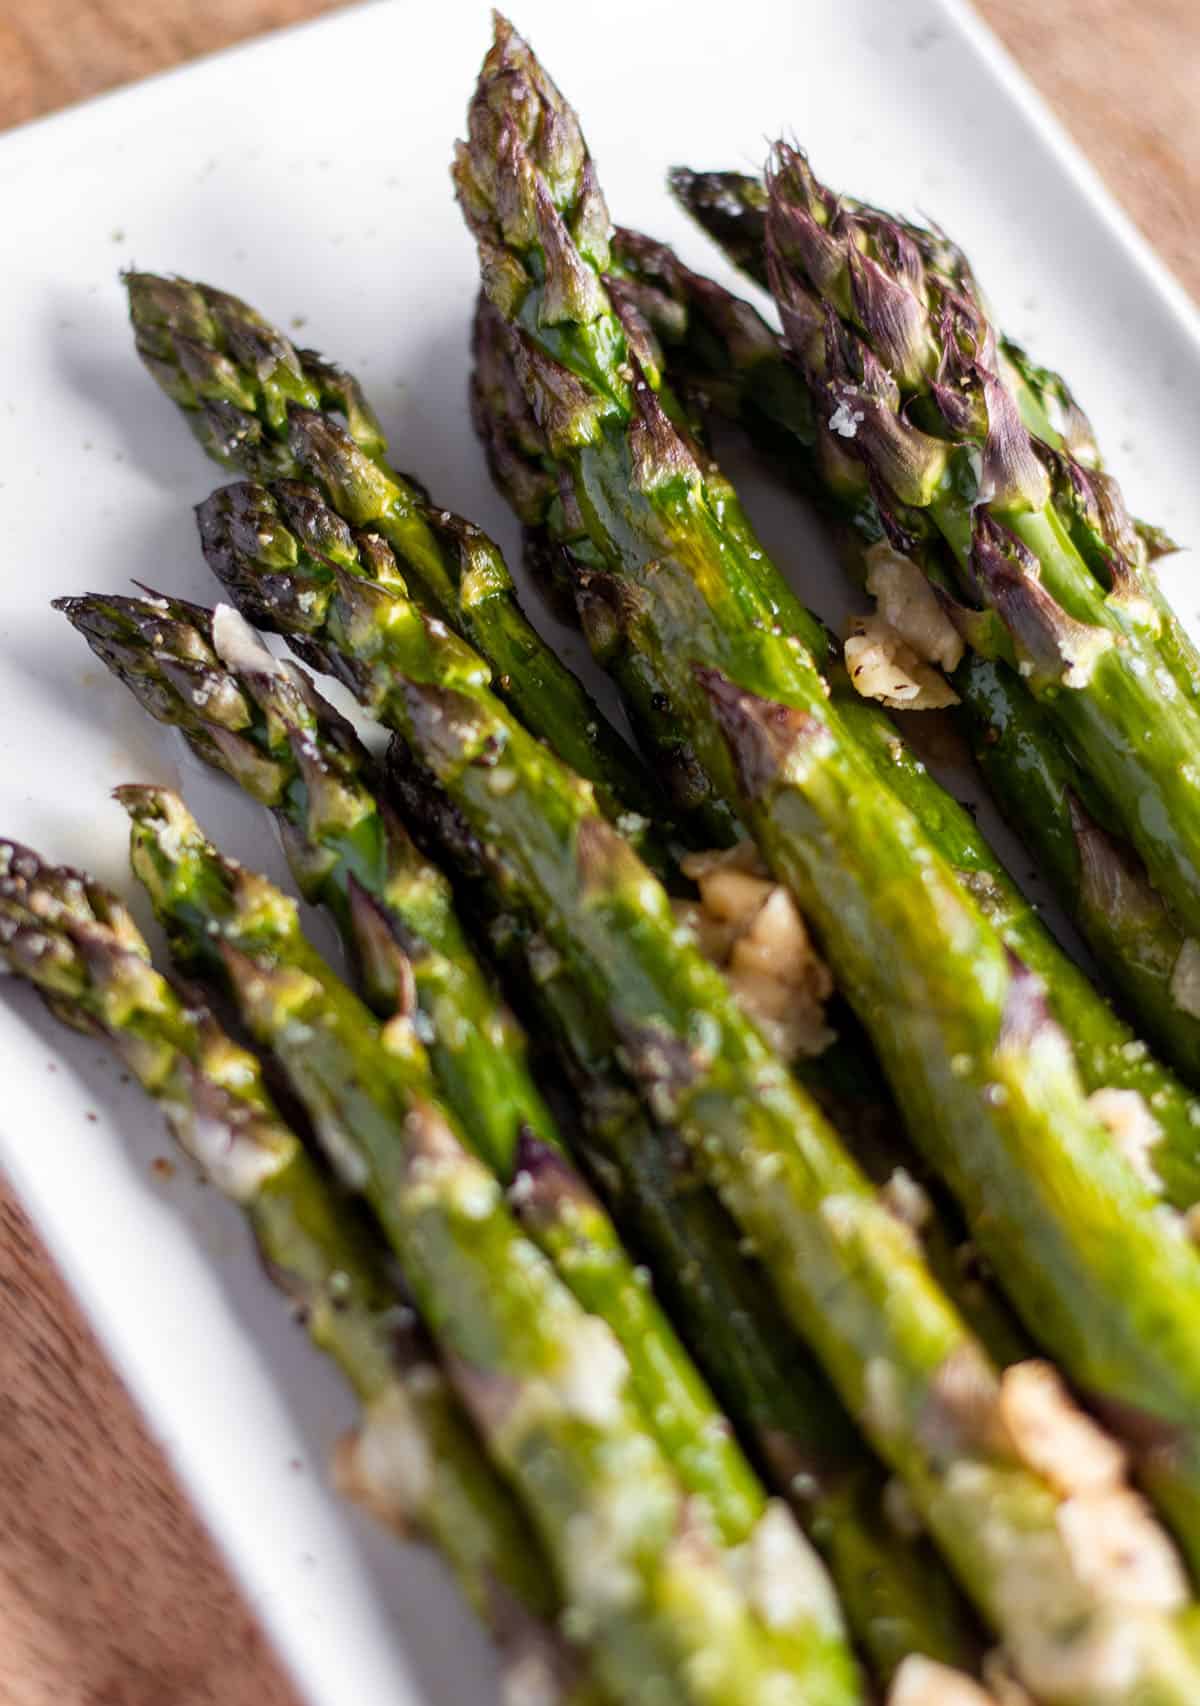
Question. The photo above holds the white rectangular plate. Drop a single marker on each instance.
(308, 173)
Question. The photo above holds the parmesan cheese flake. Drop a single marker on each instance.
(924, 1682)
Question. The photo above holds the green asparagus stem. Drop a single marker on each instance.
(896, 1595)
(878, 326)
(547, 1383)
(732, 208)
(722, 344)
(1032, 776)
(986, 1079)
(287, 746)
(258, 404)
(415, 1462)
(522, 468)
(264, 724)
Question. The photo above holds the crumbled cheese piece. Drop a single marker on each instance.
(1062, 1643)
(882, 665)
(1185, 978)
(172, 831)
(1102, 1661)
(907, 603)
(522, 1189)
(1052, 1435)
(883, 1398)
(906, 1199)
(531, 1676)
(236, 643)
(750, 927)
(237, 1162)
(1080, 651)
(1133, 1126)
(600, 1545)
(924, 1682)
(386, 1466)
(1119, 1550)
(784, 1579)
(592, 1375)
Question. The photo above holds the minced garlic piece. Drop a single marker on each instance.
(907, 603)
(750, 927)
(882, 665)
(1052, 1435)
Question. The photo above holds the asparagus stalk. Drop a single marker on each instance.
(986, 1079)
(879, 327)
(522, 468)
(732, 208)
(897, 1597)
(415, 1461)
(264, 724)
(258, 404)
(723, 344)
(1033, 778)
(290, 749)
(546, 1382)
(846, 1270)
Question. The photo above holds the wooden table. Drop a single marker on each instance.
(110, 1593)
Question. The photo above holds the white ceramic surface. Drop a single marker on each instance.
(308, 173)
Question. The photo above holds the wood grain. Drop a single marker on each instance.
(110, 1594)
(110, 1591)
(53, 52)
(1124, 77)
